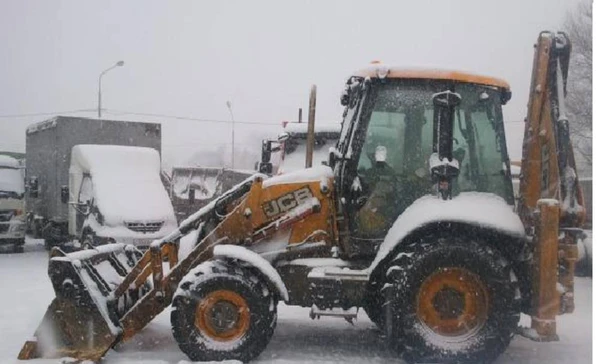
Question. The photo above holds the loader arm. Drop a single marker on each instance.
(228, 220)
(550, 198)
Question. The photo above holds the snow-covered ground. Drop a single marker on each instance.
(26, 293)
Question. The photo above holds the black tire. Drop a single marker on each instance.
(202, 283)
(583, 266)
(373, 304)
(464, 260)
(18, 247)
(88, 239)
(50, 243)
(54, 234)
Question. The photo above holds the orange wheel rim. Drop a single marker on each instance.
(453, 302)
(223, 315)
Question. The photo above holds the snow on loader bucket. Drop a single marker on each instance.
(82, 321)
(106, 295)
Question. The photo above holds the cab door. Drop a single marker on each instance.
(389, 164)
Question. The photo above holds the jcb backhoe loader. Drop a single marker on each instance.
(412, 220)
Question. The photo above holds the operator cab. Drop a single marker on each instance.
(387, 139)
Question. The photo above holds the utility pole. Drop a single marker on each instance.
(310, 135)
(232, 135)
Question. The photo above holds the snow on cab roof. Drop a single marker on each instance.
(431, 73)
(8, 162)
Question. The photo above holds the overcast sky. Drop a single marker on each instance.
(188, 58)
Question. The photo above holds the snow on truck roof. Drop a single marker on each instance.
(53, 122)
(435, 74)
(126, 182)
(97, 158)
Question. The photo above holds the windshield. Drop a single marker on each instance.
(11, 182)
(294, 158)
(401, 120)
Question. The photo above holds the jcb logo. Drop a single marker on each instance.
(287, 202)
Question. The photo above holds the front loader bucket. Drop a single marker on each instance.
(83, 320)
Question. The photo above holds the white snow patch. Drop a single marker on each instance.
(318, 262)
(210, 362)
(314, 174)
(302, 128)
(126, 182)
(187, 244)
(88, 253)
(329, 340)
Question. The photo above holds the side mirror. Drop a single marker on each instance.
(64, 194)
(266, 168)
(505, 96)
(334, 155)
(283, 137)
(265, 155)
(191, 195)
(345, 96)
(33, 187)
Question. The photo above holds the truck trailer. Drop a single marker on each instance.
(48, 154)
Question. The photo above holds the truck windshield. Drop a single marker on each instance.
(11, 183)
(399, 117)
(294, 158)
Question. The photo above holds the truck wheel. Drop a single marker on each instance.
(88, 239)
(18, 246)
(222, 312)
(456, 300)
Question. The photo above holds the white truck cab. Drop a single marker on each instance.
(12, 203)
(116, 195)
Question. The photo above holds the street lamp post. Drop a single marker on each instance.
(118, 64)
(232, 135)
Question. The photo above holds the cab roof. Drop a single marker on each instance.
(436, 74)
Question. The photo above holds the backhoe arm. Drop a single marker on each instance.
(548, 168)
(550, 198)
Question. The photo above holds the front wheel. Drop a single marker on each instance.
(223, 312)
(456, 300)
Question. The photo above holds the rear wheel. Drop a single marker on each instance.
(455, 300)
(223, 312)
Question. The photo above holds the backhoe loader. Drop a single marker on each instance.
(413, 219)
